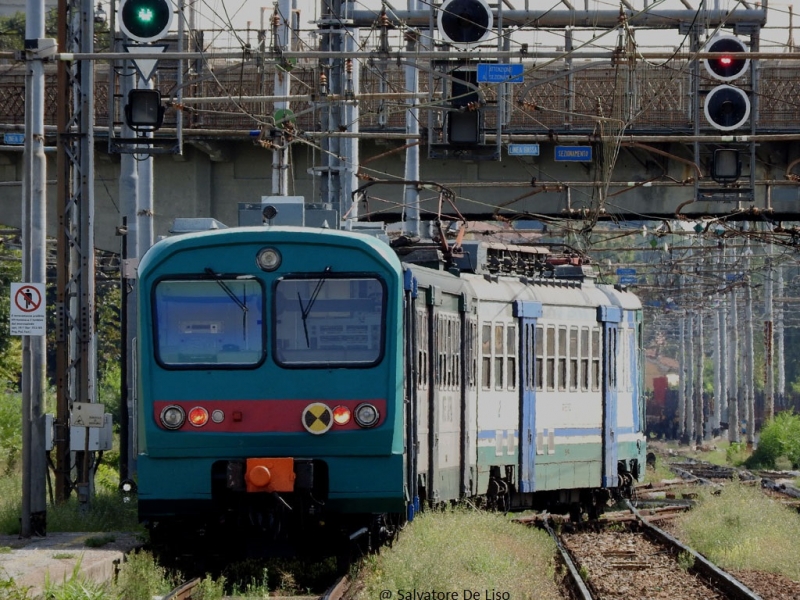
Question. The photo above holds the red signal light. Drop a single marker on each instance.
(723, 66)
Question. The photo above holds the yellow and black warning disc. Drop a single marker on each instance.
(317, 418)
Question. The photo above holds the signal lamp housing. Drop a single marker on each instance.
(726, 67)
(727, 107)
(144, 111)
(465, 21)
(145, 20)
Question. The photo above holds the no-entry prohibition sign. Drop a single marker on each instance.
(27, 309)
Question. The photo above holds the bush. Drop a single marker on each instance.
(780, 437)
(10, 429)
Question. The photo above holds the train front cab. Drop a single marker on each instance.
(275, 399)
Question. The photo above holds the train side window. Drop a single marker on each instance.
(527, 358)
(472, 359)
(538, 342)
(612, 359)
(440, 376)
(550, 349)
(562, 358)
(209, 323)
(573, 358)
(596, 357)
(624, 357)
(498, 356)
(511, 357)
(486, 356)
(422, 350)
(456, 357)
(584, 358)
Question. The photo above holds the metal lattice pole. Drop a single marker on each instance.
(75, 340)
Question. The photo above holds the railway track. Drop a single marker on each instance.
(772, 482)
(335, 592)
(635, 559)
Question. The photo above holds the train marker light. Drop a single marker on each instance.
(341, 415)
(198, 416)
(172, 417)
(217, 416)
(144, 112)
(145, 20)
(366, 415)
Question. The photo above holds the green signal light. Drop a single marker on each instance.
(145, 20)
(146, 15)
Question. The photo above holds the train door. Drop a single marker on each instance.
(469, 397)
(423, 324)
(446, 399)
(528, 313)
(610, 316)
(411, 385)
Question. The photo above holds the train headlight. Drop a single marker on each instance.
(198, 416)
(341, 415)
(366, 415)
(268, 259)
(172, 416)
(218, 416)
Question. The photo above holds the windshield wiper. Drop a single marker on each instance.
(305, 310)
(241, 304)
(218, 278)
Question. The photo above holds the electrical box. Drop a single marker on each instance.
(100, 438)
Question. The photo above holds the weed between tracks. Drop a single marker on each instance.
(462, 554)
(742, 528)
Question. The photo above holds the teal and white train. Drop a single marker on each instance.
(299, 386)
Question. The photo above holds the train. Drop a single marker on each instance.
(305, 388)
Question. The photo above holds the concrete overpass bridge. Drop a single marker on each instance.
(580, 133)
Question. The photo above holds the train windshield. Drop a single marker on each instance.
(210, 322)
(324, 320)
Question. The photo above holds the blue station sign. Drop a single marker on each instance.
(499, 73)
(574, 153)
(14, 139)
(523, 149)
(626, 271)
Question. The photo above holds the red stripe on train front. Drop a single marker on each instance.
(254, 416)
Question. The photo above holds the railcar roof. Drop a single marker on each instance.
(264, 235)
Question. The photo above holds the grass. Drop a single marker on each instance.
(478, 555)
(108, 511)
(743, 529)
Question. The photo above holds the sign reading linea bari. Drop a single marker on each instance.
(27, 309)
(574, 153)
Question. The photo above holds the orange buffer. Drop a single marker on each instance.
(270, 475)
